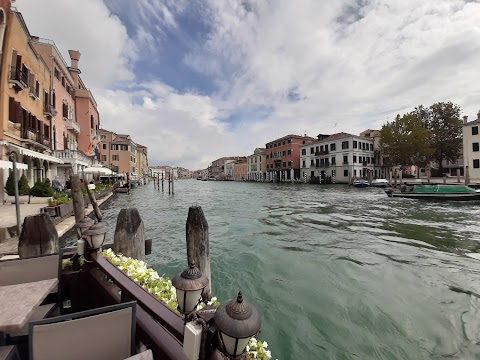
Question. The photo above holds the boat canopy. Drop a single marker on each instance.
(442, 189)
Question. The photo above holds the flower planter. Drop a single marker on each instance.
(39, 200)
(23, 199)
(64, 209)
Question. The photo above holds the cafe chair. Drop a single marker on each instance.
(106, 333)
(9, 353)
(20, 271)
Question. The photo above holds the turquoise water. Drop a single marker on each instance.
(336, 272)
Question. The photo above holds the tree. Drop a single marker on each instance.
(405, 141)
(10, 185)
(445, 127)
(23, 188)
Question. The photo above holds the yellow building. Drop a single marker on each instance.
(25, 104)
(142, 163)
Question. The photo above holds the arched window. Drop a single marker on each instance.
(92, 125)
(3, 24)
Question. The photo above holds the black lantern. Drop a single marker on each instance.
(237, 321)
(95, 235)
(189, 285)
(84, 224)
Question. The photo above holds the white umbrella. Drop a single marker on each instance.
(98, 170)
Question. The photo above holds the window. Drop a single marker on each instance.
(279, 144)
(283, 153)
(274, 145)
(267, 156)
(284, 164)
(476, 163)
(354, 172)
(345, 159)
(57, 73)
(114, 157)
(289, 141)
(373, 160)
(289, 152)
(321, 147)
(371, 147)
(303, 141)
(303, 163)
(312, 150)
(475, 146)
(354, 159)
(304, 151)
(333, 160)
(103, 137)
(475, 130)
(354, 144)
(368, 160)
(289, 163)
(311, 162)
(104, 157)
(344, 144)
(332, 147)
(345, 173)
(283, 142)
(113, 147)
(104, 146)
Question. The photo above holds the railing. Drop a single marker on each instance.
(157, 327)
(73, 125)
(68, 154)
(35, 135)
(49, 110)
(32, 91)
(320, 153)
(345, 163)
(18, 77)
(277, 157)
(324, 165)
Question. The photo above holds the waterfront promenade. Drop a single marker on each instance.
(9, 247)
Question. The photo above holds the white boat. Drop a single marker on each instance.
(361, 183)
(379, 183)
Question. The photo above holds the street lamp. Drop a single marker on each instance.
(95, 235)
(237, 321)
(83, 225)
(189, 285)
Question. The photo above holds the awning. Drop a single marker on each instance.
(9, 165)
(97, 170)
(35, 154)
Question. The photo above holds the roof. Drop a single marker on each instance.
(292, 136)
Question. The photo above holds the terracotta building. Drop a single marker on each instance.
(25, 104)
(217, 168)
(283, 157)
(240, 170)
(65, 128)
(118, 152)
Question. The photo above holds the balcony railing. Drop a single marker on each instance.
(17, 78)
(36, 136)
(49, 111)
(277, 157)
(320, 153)
(324, 165)
(70, 156)
(73, 125)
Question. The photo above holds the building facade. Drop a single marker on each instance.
(217, 168)
(25, 104)
(379, 170)
(65, 128)
(283, 157)
(471, 148)
(240, 170)
(142, 163)
(256, 165)
(118, 152)
(338, 158)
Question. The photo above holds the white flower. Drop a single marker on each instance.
(269, 354)
(247, 348)
(254, 353)
(265, 344)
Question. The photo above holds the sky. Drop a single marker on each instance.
(195, 80)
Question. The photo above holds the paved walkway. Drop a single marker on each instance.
(10, 246)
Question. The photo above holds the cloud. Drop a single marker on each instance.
(108, 54)
(269, 68)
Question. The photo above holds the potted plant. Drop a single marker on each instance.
(23, 189)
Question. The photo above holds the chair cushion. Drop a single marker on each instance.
(146, 355)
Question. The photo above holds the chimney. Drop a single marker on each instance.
(74, 71)
(465, 119)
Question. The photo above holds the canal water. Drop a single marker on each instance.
(336, 272)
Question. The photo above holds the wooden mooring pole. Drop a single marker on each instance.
(169, 183)
(129, 237)
(77, 198)
(198, 248)
(39, 237)
(93, 201)
(162, 182)
(173, 183)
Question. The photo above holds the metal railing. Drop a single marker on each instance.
(35, 135)
(320, 153)
(16, 75)
(73, 125)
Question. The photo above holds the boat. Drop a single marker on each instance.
(360, 183)
(436, 192)
(122, 189)
(379, 183)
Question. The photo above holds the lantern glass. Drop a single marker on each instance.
(230, 342)
(188, 300)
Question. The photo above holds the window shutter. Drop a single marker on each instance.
(14, 58)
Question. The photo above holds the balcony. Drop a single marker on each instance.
(324, 165)
(73, 157)
(320, 153)
(35, 137)
(49, 111)
(33, 93)
(18, 80)
(72, 125)
(277, 157)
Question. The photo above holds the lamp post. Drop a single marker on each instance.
(189, 285)
(95, 235)
(237, 321)
(83, 225)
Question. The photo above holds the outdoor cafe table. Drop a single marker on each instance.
(19, 301)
